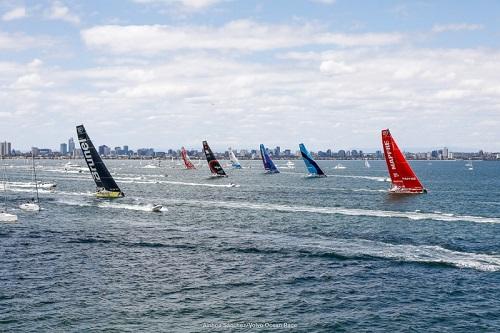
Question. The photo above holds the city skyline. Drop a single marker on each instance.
(104, 150)
(329, 73)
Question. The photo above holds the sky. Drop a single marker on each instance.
(329, 73)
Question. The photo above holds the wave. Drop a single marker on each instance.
(426, 254)
(342, 249)
(138, 207)
(378, 179)
(195, 184)
(25, 189)
(114, 205)
(416, 215)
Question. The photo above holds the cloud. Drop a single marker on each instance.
(187, 4)
(241, 35)
(429, 95)
(59, 11)
(335, 67)
(456, 27)
(20, 41)
(14, 14)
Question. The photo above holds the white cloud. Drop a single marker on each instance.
(20, 41)
(335, 67)
(14, 14)
(456, 27)
(188, 4)
(410, 91)
(58, 11)
(242, 35)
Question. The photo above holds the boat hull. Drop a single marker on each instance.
(315, 176)
(407, 190)
(109, 194)
(6, 217)
(30, 207)
(157, 208)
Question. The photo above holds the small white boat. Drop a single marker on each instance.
(71, 165)
(149, 166)
(469, 166)
(290, 165)
(6, 217)
(47, 186)
(367, 164)
(339, 166)
(30, 206)
(156, 208)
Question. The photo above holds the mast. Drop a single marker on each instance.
(311, 164)
(403, 178)
(4, 177)
(213, 164)
(98, 170)
(34, 176)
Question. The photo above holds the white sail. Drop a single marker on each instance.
(234, 161)
(367, 164)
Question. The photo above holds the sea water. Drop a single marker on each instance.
(278, 252)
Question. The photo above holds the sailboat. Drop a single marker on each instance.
(234, 161)
(187, 161)
(469, 166)
(213, 164)
(367, 164)
(106, 185)
(34, 204)
(312, 166)
(268, 162)
(403, 178)
(4, 215)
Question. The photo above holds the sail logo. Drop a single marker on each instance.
(388, 152)
(88, 158)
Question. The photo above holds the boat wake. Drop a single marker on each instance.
(138, 207)
(378, 179)
(446, 217)
(114, 205)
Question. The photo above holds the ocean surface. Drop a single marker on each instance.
(276, 253)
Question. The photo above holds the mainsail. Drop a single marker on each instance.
(186, 159)
(234, 161)
(213, 164)
(106, 185)
(403, 178)
(268, 162)
(311, 164)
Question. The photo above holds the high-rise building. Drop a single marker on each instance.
(71, 145)
(5, 148)
(125, 150)
(104, 150)
(35, 151)
(64, 149)
(445, 153)
(277, 151)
